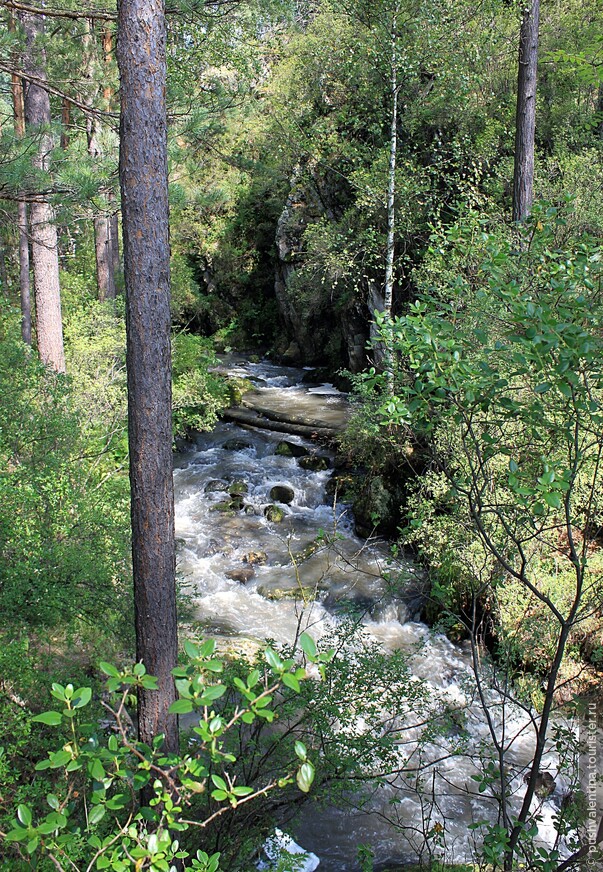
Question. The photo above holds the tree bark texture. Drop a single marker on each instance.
(143, 179)
(42, 225)
(24, 279)
(525, 120)
(24, 282)
(104, 257)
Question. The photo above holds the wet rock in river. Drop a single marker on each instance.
(280, 590)
(215, 485)
(315, 462)
(274, 514)
(290, 449)
(243, 574)
(238, 487)
(256, 558)
(282, 493)
(236, 445)
(225, 507)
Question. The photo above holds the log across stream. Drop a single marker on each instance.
(254, 575)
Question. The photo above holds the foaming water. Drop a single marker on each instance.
(255, 578)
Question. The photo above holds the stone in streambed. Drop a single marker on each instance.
(243, 574)
(290, 449)
(274, 514)
(236, 445)
(215, 485)
(282, 493)
(315, 462)
(237, 488)
(255, 558)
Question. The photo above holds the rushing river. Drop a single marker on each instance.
(256, 578)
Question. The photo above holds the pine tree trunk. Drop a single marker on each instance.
(65, 122)
(24, 282)
(143, 179)
(24, 279)
(42, 225)
(114, 222)
(525, 121)
(102, 231)
(104, 258)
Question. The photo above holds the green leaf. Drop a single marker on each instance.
(191, 649)
(97, 770)
(552, 500)
(242, 790)
(308, 645)
(211, 693)
(181, 707)
(219, 782)
(291, 681)
(300, 750)
(52, 801)
(52, 719)
(16, 835)
(109, 669)
(97, 813)
(24, 815)
(305, 777)
(82, 697)
(274, 661)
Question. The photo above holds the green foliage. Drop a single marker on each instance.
(94, 816)
(63, 542)
(197, 393)
(500, 371)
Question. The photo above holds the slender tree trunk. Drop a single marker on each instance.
(525, 121)
(388, 291)
(143, 178)
(114, 222)
(104, 258)
(102, 230)
(3, 273)
(108, 97)
(43, 230)
(65, 122)
(24, 283)
(24, 280)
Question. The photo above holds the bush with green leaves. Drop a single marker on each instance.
(95, 819)
(500, 373)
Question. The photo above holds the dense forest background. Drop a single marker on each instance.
(341, 186)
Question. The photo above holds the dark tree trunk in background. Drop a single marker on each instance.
(42, 226)
(525, 121)
(65, 122)
(143, 178)
(24, 281)
(102, 228)
(114, 225)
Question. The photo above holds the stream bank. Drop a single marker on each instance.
(254, 573)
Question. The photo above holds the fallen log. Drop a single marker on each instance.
(257, 419)
(285, 418)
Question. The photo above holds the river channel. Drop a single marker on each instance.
(255, 578)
